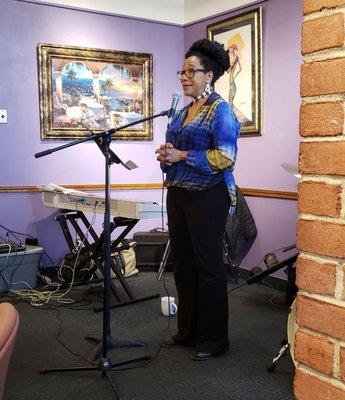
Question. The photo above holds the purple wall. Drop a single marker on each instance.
(24, 25)
(259, 158)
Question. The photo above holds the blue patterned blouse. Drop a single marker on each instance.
(210, 139)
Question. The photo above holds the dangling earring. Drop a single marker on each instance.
(208, 88)
(206, 92)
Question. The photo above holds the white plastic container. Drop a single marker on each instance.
(20, 270)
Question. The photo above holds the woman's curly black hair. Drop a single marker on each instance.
(212, 56)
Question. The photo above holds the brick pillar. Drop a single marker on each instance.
(320, 339)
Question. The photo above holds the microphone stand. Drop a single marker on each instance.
(257, 278)
(103, 140)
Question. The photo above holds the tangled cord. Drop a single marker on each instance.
(39, 298)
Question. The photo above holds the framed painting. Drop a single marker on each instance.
(241, 84)
(83, 89)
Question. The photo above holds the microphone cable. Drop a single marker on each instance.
(176, 97)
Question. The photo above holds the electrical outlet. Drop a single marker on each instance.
(3, 116)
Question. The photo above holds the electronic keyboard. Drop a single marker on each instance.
(86, 202)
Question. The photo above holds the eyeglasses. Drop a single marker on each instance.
(189, 73)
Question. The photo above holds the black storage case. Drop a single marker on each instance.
(150, 248)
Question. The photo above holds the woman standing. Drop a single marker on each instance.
(198, 158)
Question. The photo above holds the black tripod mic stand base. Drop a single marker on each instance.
(104, 365)
(111, 344)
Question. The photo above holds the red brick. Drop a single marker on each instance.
(342, 363)
(323, 77)
(321, 317)
(321, 237)
(314, 352)
(323, 33)
(310, 6)
(315, 277)
(319, 198)
(321, 119)
(307, 387)
(325, 158)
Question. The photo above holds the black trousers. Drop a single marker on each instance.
(196, 228)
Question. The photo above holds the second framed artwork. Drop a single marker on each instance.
(83, 89)
(241, 84)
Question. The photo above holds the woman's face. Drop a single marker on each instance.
(194, 86)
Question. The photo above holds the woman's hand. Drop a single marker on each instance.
(168, 155)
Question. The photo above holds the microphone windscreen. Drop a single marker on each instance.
(176, 94)
(175, 99)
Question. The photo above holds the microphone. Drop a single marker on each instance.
(175, 99)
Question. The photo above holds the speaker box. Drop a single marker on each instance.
(150, 248)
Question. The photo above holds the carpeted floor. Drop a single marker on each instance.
(256, 329)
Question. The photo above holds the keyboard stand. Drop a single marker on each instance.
(94, 252)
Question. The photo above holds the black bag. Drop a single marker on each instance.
(240, 230)
(125, 259)
(150, 248)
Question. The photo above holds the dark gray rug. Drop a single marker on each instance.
(256, 329)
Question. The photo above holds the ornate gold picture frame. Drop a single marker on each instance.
(241, 84)
(83, 89)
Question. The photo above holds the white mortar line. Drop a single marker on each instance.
(331, 180)
(342, 211)
(323, 298)
(312, 217)
(323, 377)
(324, 55)
(343, 24)
(340, 138)
(321, 335)
(339, 283)
(336, 360)
(323, 13)
(319, 259)
(323, 98)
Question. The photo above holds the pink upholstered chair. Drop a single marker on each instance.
(9, 321)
